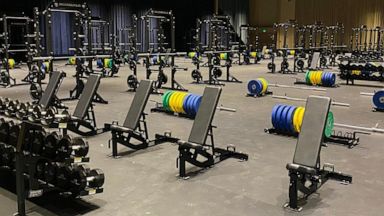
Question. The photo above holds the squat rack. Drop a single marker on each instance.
(8, 47)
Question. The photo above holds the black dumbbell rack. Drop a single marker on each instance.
(25, 166)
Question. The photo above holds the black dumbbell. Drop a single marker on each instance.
(44, 116)
(4, 131)
(14, 131)
(3, 103)
(36, 142)
(83, 177)
(39, 169)
(63, 177)
(68, 146)
(22, 110)
(2, 151)
(50, 172)
(96, 178)
(8, 156)
(50, 147)
(11, 108)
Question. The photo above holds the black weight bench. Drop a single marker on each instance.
(49, 97)
(196, 146)
(134, 125)
(84, 115)
(314, 61)
(306, 161)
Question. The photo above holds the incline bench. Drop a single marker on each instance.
(314, 61)
(196, 146)
(84, 116)
(132, 127)
(306, 161)
(49, 97)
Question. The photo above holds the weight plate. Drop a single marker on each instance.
(172, 102)
(284, 118)
(255, 87)
(378, 99)
(301, 116)
(307, 80)
(168, 99)
(296, 119)
(194, 105)
(177, 102)
(329, 80)
(181, 102)
(318, 78)
(332, 79)
(164, 99)
(311, 76)
(197, 104)
(289, 119)
(190, 104)
(324, 79)
(265, 85)
(329, 125)
(278, 118)
(185, 102)
(274, 111)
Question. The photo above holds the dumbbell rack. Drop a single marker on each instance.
(28, 115)
(349, 139)
(28, 162)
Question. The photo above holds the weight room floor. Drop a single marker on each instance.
(146, 183)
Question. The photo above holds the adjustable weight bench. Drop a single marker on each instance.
(49, 97)
(84, 116)
(196, 146)
(134, 125)
(306, 161)
(314, 61)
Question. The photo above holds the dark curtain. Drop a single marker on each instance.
(119, 13)
(237, 10)
(62, 33)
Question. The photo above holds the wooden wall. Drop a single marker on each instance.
(352, 13)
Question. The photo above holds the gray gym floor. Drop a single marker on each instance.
(146, 182)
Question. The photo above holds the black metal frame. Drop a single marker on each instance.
(190, 152)
(122, 135)
(35, 186)
(212, 79)
(299, 177)
(89, 122)
(6, 79)
(349, 139)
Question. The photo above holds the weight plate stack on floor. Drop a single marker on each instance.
(378, 100)
(181, 102)
(258, 87)
(288, 120)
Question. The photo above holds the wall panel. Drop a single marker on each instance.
(352, 13)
